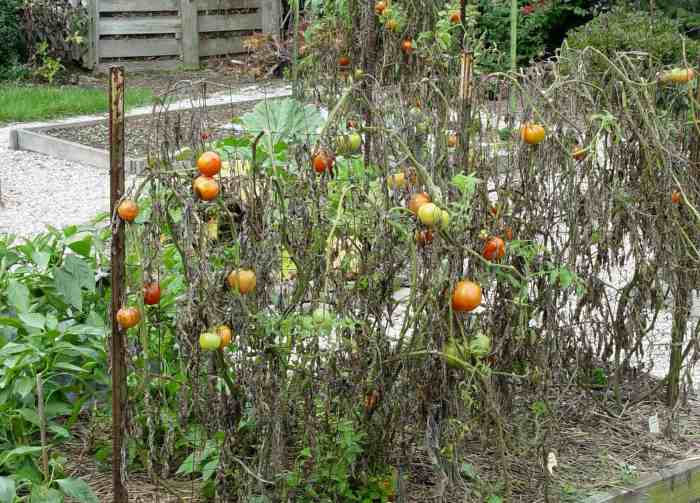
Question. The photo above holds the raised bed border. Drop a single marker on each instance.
(680, 483)
(35, 139)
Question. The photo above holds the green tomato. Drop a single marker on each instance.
(453, 352)
(353, 142)
(480, 345)
(209, 341)
(429, 214)
(444, 219)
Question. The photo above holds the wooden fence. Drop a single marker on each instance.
(164, 34)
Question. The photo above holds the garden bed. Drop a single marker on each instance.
(139, 128)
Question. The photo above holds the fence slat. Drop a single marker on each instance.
(229, 23)
(227, 4)
(140, 26)
(190, 33)
(138, 48)
(220, 46)
(270, 16)
(138, 5)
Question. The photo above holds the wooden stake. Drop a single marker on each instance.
(116, 177)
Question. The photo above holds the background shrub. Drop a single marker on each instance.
(623, 29)
(11, 46)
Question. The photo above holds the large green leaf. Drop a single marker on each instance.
(78, 490)
(81, 271)
(10, 322)
(33, 320)
(13, 348)
(41, 259)
(7, 490)
(18, 296)
(68, 288)
(284, 119)
(82, 245)
(23, 386)
(22, 450)
(30, 416)
(43, 494)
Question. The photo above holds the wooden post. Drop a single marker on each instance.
(93, 34)
(190, 33)
(271, 16)
(116, 191)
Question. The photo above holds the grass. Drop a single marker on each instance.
(21, 103)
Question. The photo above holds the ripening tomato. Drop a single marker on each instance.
(679, 75)
(579, 153)
(466, 296)
(151, 294)
(455, 17)
(392, 24)
(429, 214)
(243, 280)
(380, 7)
(509, 233)
(209, 341)
(407, 46)
(206, 188)
(396, 181)
(209, 163)
(128, 317)
(128, 210)
(676, 197)
(494, 249)
(417, 200)
(532, 134)
(371, 401)
(225, 335)
(352, 124)
(452, 140)
(424, 237)
(343, 61)
(321, 162)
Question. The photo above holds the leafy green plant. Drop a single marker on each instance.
(11, 44)
(46, 66)
(51, 325)
(624, 29)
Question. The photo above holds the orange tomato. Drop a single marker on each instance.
(128, 210)
(321, 162)
(380, 7)
(209, 163)
(417, 200)
(407, 46)
(532, 133)
(455, 17)
(243, 280)
(452, 140)
(494, 249)
(206, 188)
(676, 197)
(466, 296)
(343, 61)
(128, 317)
(371, 401)
(225, 334)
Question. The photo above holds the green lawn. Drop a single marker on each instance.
(28, 103)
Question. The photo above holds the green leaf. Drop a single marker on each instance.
(33, 320)
(78, 490)
(30, 416)
(81, 246)
(70, 367)
(11, 322)
(210, 468)
(41, 259)
(187, 466)
(60, 431)
(284, 119)
(7, 490)
(12, 348)
(18, 296)
(68, 288)
(44, 494)
(23, 386)
(22, 450)
(81, 271)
